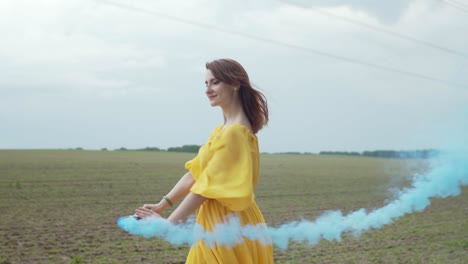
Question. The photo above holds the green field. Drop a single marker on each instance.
(60, 206)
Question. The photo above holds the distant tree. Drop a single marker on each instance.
(150, 149)
(290, 153)
(79, 148)
(104, 149)
(122, 149)
(411, 154)
(353, 153)
(185, 148)
(381, 153)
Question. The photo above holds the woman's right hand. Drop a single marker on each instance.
(157, 208)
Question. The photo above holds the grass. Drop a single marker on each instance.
(60, 206)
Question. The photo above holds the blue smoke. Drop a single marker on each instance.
(447, 174)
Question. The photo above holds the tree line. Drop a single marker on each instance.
(184, 148)
(402, 154)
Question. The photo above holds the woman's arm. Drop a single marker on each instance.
(179, 191)
(188, 206)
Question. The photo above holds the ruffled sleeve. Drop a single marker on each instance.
(193, 165)
(226, 174)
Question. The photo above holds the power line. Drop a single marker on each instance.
(283, 44)
(380, 29)
(456, 5)
(461, 3)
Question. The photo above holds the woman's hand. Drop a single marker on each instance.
(157, 208)
(144, 212)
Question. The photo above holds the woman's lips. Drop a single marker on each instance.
(211, 97)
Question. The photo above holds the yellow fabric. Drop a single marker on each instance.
(226, 171)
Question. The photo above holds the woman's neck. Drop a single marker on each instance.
(233, 113)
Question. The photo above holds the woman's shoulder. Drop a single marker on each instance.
(236, 130)
(238, 127)
(216, 131)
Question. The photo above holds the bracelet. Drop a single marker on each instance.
(168, 201)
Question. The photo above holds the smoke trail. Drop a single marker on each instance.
(449, 171)
(448, 174)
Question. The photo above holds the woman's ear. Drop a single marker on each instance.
(236, 86)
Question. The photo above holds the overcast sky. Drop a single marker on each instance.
(339, 75)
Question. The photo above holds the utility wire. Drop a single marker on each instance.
(280, 43)
(460, 3)
(379, 29)
(456, 5)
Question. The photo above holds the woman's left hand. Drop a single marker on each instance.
(143, 212)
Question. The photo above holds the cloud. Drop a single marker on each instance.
(85, 60)
(386, 12)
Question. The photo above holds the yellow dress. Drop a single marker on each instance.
(226, 171)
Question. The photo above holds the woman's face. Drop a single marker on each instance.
(219, 93)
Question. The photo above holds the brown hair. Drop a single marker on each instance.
(253, 101)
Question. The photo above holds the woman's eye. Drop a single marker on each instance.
(215, 82)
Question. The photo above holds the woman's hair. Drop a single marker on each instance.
(253, 102)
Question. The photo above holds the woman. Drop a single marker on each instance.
(221, 178)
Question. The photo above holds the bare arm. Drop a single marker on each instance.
(179, 191)
(188, 206)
